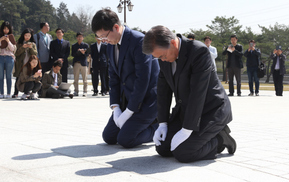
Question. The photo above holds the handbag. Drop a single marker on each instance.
(261, 70)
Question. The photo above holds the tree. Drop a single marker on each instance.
(63, 16)
(11, 11)
(39, 11)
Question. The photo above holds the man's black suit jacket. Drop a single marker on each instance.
(237, 54)
(58, 50)
(99, 58)
(201, 101)
(282, 59)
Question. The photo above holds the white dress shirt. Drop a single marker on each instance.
(214, 55)
(55, 79)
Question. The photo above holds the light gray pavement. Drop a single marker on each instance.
(60, 140)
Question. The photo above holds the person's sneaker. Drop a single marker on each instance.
(251, 94)
(8, 96)
(84, 94)
(75, 94)
(15, 96)
(1, 96)
(33, 96)
(24, 97)
(257, 94)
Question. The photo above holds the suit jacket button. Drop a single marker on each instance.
(180, 101)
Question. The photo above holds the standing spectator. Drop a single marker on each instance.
(25, 48)
(7, 57)
(80, 53)
(99, 66)
(197, 127)
(191, 36)
(253, 60)
(213, 50)
(133, 82)
(29, 78)
(60, 50)
(235, 64)
(51, 81)
(43, 40)
(278, 69)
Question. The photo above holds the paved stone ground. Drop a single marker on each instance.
(60, 140)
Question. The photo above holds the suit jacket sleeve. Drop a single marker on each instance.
(199, 82)
(45, 83)
(164, 93)
(238, 51)
(53, 53)
(67, 51)
(143, 64)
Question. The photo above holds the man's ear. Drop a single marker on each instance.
(173, 41)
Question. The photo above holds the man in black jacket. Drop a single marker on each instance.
(99, 66)
(253, 60)
(278, 70)
(80, 53)
(197, 128)
(234, 65)
(60, 50)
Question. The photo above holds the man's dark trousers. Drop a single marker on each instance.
(95, 79)
(235, 71)
(134, 132)
(278, 82)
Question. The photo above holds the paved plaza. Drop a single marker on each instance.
(60, 140)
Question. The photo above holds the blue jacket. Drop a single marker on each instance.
(78, 56)
(99, 58)
(43, 48)
(136, 76)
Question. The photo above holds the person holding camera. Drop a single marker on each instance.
(80, 53)
(234, 64)
(25, 48)
(278, 69)
(253, 60)
(29, 78)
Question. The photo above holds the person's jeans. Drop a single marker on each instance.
(252, 76)
(6, 63)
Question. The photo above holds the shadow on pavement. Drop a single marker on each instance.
(81, 151)
(142, 165)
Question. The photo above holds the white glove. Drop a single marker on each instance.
(123, 117)
(160, 133)
(180, 137)
(116, 113)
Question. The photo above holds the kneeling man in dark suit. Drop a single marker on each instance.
(51, 81)
(197, 127)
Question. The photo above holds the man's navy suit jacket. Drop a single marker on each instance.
(135, 75)
(99, 58)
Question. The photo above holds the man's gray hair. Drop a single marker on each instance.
(158, 36)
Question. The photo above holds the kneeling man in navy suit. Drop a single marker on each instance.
(133, 82)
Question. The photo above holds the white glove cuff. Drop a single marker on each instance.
(186, 131)
(129, 111)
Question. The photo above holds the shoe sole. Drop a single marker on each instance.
(225, 132)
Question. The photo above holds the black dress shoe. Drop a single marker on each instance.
(70, 96)
(230, 94)
(226, 141)
(239, 94)
(95, 94)
(103, 94)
